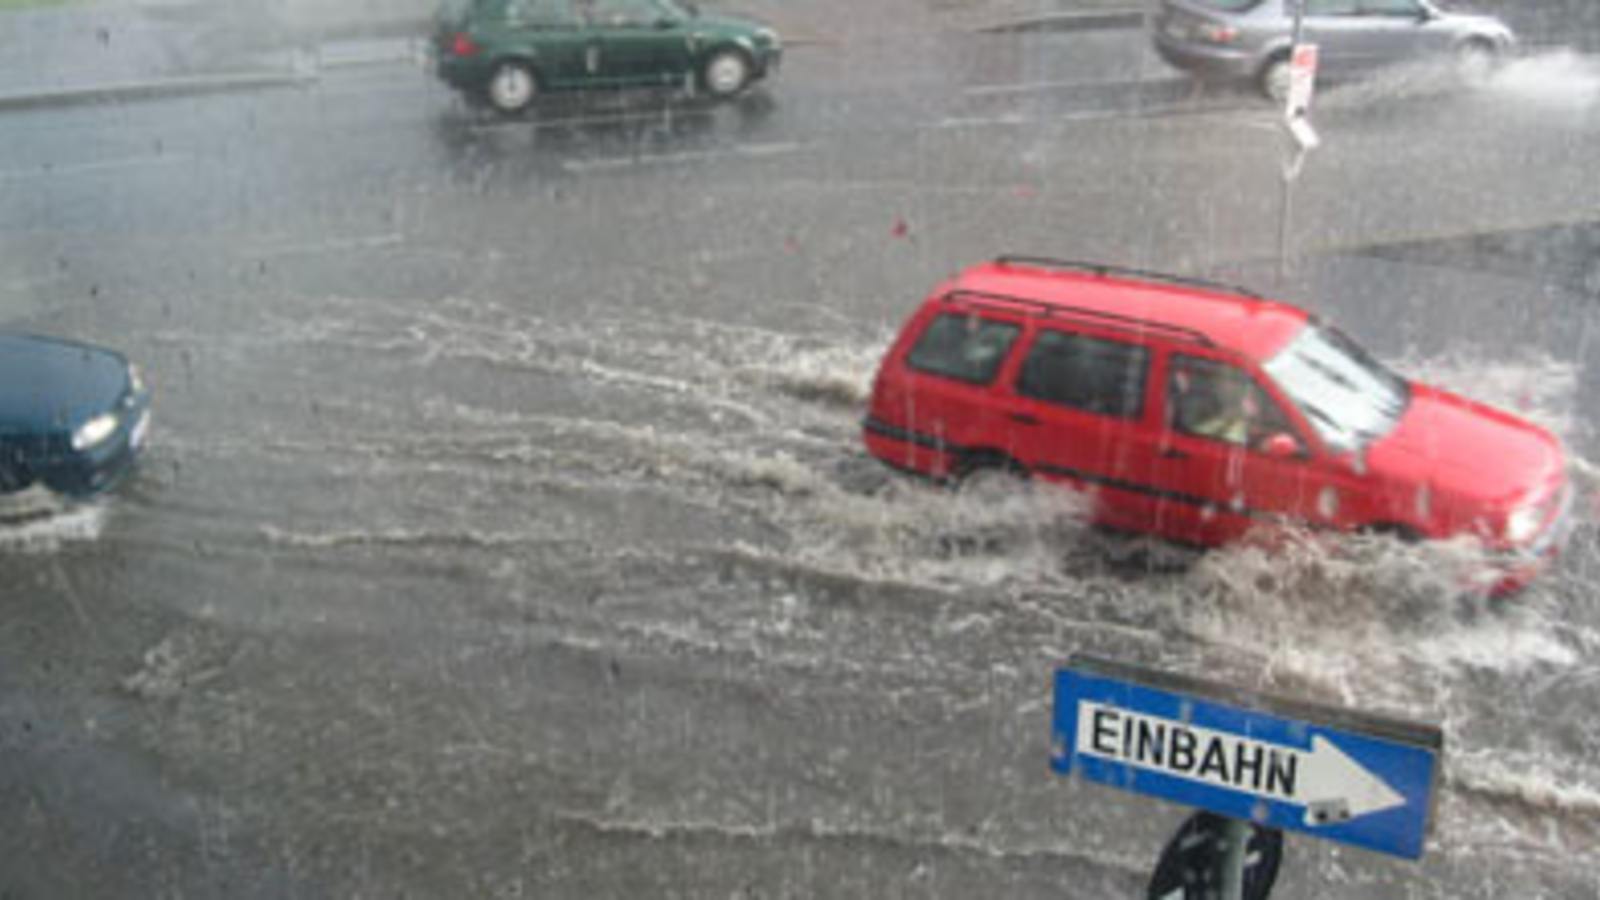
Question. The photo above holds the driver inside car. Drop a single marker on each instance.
(1214, 402)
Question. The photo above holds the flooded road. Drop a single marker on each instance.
(508, 533)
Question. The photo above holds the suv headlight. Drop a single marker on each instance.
(94, 432)
(1523, 525)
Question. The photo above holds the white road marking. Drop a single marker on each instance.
(1011, 119)
(746, 151)
(107, 165)
(1026, 87)
(538, 123)
(369, 242)
(1151, 110)
(29, 284)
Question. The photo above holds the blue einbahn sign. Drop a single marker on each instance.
(1332, 773)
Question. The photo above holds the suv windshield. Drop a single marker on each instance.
(1349, 397)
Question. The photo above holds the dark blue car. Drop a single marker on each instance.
(73, 418)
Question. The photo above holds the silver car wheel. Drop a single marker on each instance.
(727, 73)
(512, 88)
(1276, 76)
(1475, 62)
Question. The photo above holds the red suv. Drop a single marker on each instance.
(1196, 411)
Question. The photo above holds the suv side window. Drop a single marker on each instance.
(1214, 400)
(963, 346)
(1092, 374)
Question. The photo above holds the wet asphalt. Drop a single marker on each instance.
(507, 532)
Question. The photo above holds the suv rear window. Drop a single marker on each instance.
(964, 347)
(1092, 374)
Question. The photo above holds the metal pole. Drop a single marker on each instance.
(1238, 836)
(1292, 167)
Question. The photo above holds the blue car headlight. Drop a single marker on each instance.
(94, 432)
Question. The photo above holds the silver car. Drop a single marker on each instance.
(1249, 39)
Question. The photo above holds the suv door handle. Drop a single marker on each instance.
(1024, 418)
(1173, 453)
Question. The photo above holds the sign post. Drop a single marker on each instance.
(1261, 761)
(1297, 119)
(1189, 868)
(1302, 80)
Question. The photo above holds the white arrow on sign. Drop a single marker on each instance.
(1332, 787)
(1339, 788)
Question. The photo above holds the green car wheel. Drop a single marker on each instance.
(512, 88)
(726, 73)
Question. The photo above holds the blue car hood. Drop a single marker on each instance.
(53, 386)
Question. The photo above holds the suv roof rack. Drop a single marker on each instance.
(1104, 269)
(1113, 320)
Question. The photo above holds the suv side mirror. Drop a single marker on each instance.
(667, 23)
(1281, 445)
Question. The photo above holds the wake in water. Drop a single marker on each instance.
(1533, 386)
(45, 525)
(1336, 613)
(1554, 81)
(1559, 80)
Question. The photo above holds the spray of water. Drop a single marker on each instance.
(48, 525)
(1557, 80)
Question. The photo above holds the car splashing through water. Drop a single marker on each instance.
(1202, 413)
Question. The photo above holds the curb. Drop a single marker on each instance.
(1108, 20)
(190, 86)
(162, 88)
(388, 30)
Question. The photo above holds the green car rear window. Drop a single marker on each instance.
(538, 12)
(1229, 5)
(964, 347)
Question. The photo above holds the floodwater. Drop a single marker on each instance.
(489, 544)
(588, 485)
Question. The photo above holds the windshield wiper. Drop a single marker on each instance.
(1314, 411)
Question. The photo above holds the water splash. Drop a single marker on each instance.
(46, 528)
(1532, 385)
(1559, 80)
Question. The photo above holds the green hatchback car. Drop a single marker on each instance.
(507, 52)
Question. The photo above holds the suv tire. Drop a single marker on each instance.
(989, 475)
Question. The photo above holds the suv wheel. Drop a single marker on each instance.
(990, 478)
(984, 483)
(512, 88)
(725, 74)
